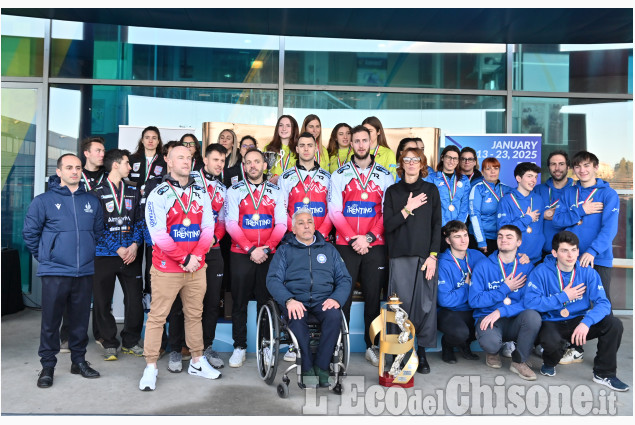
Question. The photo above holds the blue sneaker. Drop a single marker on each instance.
(548, 370)
(610, 381)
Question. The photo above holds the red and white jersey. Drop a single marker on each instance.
(356, 208)
(175, 233)
(217, 192)
(249, 226)
(314, 188)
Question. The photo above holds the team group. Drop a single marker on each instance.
(518, 269)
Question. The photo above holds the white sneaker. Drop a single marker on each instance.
(238, 357)
(267, 357)
(148, 381)
(290, 355)
(508, 349)
(371, 355)
(572, 356)
(203, 369)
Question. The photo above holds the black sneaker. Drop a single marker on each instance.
(610, 381)
(447, 352)
(466, 352)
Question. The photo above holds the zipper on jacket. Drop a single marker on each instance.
(76, 232)
(311, 275)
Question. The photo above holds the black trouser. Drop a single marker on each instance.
(247, 278)
(457, 326)
(104, 325)
(211, 305)
(147, 284)
(605, 277)
(371, 271)
(58, 293)
(554, 336)
(64, 328)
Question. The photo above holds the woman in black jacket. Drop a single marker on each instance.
(412, 226)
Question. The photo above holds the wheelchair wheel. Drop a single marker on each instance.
(268, 342)
(283, 390)
(345, 350)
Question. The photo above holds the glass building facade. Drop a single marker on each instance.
(63, 81)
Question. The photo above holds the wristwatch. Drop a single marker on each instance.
(369, 238)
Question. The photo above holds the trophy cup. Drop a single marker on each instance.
(271, 158)
(400, 344)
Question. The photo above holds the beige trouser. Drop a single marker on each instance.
(165, 287)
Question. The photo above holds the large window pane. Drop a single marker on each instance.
(394, 63)
(85, 50)
(457, 114)
(591, 68)
(19, 118)
(22, 46)
(100, 110)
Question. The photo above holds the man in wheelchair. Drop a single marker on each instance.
(308, 276)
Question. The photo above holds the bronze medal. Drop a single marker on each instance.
(256, 217)
(451, 207)
(529, 230)
(364, 195)
(187, 222)
(507, 301)
(579, 223)
(564, 312)
(306, 200)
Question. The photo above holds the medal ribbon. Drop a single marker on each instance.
(561, 280)
(452, 193)
(531, 200)
(284, 164)
(262, 195)
(149, 166)
(359, 178)
(118, 202)
(502, 267)
(302, 181)
(178, 198)
(318, 155)
(577, 196)
(493, 191)
(554, 203)
(88, 184)
(205, 183)
(339, 161)
(467, 263)
(376, 149)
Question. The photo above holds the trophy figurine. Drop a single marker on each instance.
(401, 344)
(271, 158)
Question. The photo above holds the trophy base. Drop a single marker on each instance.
(386, 380)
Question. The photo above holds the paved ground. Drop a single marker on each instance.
(464, 388)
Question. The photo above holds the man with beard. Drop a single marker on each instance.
(355, 207)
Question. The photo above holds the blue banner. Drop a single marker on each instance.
(509, 149)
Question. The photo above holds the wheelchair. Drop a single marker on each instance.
(272, 331)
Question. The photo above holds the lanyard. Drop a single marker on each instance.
(498, 198)
(518, 205)
(149, 166)
(118, 202)
(262, 194)
(86, 182)
(452, 193)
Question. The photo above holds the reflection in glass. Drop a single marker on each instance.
(22, 46)
(19, 108)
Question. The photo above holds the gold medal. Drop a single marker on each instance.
(579, 223)
(256, 217)
(306, 200)
(364, 195)
(451, 207)
(187, 222)
(564, 312)
(529, 230)
(507, 301)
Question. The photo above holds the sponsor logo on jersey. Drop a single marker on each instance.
(58, 206)
(359, 209)
(157, 170)
(152, 218)
(129, 204)
(181, 233)
(318, 209)
(265, 221)
(110, 206)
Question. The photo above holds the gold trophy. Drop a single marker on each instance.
(400, 344)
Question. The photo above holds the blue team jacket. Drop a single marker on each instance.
(597, 231)
(452, 293)
(550, 194)
(488, 288)
(460, 200)
(543, 293)
(484, 211)
(508, 213)
(60, 229)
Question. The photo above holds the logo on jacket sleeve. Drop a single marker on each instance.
(88, 208)
(157, 170)
(321, 258)
(136, 166)
(359, 209)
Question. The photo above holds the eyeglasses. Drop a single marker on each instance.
(451, 158)
(468, 159)
(247, 146)
(189, 144)
(411, 159)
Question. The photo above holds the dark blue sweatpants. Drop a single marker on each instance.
(58, 293)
